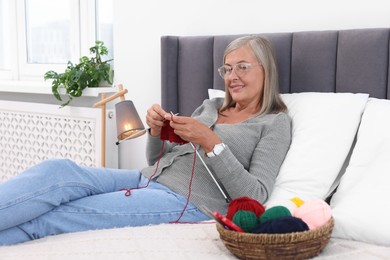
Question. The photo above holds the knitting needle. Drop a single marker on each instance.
(172, 114)
(219, 185)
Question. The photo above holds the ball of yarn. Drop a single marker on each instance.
(246, 220)
(297, 201)
(274, 213)
(314, 213)
(244, 203)
(281, 226)
(291, 206)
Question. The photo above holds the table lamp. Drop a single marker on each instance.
(128, 122)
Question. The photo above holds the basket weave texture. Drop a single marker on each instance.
(297, 245)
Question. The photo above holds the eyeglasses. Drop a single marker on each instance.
(240, 69)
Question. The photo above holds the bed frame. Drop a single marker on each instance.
(354, 61)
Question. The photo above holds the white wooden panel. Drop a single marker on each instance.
(31, 132)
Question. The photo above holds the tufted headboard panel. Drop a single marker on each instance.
(354, 61)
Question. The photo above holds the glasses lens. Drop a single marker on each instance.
(242, 68)
(222, 71)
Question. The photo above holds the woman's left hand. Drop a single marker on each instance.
(192, 130)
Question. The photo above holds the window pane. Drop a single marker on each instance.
(4, 35)
(48, 31)
(104, 23)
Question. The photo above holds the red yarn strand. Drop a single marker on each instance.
(128, 191)
(189, 188)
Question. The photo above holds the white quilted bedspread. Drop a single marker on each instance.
(169, 241)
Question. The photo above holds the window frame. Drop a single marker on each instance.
(83, 28)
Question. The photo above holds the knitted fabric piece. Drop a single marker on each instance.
(246, 220)
(274, 213)
(281, 226)
(168, 134)
(244, 203)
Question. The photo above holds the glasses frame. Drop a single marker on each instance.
(234, 68)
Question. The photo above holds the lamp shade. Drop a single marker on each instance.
(128, 122)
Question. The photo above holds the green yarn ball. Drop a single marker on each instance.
(246, 220)
(274, 213)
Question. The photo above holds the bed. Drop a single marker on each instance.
(344, 77)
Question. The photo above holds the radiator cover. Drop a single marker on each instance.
(31, 133)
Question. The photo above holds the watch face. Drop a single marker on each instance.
(218, 148)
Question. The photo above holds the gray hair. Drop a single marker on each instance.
(264, 52)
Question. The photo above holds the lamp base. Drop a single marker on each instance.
(132, 135)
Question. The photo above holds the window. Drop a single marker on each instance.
(5, 40)
(48, 35)
(44, 35)
(104, 25)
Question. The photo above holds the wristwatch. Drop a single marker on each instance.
(218, 148)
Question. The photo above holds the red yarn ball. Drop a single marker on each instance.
(244, 203)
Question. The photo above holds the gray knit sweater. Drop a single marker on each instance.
(248, 166)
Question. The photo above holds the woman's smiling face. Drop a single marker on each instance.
(244, 85)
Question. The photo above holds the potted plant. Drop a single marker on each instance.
(89, 72)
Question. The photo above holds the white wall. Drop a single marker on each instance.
(138, 26)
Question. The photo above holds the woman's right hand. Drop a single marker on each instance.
(155, 119)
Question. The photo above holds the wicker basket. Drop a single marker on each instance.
(297, 245)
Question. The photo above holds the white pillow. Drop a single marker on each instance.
(324, 126)
(361, 204)
(216, 93)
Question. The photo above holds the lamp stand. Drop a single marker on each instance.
(102, 103)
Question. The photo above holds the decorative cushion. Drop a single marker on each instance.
(324, 126)
(360, 205)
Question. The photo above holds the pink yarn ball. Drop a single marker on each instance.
(314, 213)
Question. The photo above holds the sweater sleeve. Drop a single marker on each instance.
(153, 148)
(256, 182)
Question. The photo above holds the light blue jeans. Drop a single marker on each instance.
(59, 196)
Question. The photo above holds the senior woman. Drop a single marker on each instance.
(242, 139)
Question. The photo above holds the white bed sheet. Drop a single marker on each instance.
(168, 241)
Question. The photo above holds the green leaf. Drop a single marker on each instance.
(54, 90)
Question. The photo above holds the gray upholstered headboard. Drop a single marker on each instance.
(354, 61)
